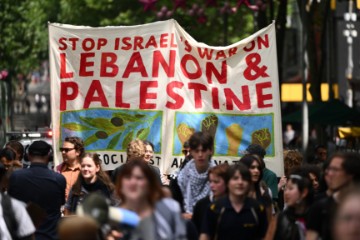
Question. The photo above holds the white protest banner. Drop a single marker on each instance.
(154, 82)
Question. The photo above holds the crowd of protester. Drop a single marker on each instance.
(316, 198)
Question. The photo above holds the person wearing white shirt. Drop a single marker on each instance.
(23, 227)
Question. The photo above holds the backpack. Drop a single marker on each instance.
(9, 215)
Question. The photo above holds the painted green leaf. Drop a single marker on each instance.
(76, 127)
(100, 123)
(90, 140)
(125, 117)
(127, 139)
(114, 141)
(113, 131)
(152, 119)
(140, 115)
(143, 133)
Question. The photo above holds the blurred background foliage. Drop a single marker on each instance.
(24, 33)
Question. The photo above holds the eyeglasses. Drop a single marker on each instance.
(66, 149)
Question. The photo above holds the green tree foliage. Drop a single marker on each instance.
(24, 34)
(209, 29)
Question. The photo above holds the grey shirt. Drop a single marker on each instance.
(145, 230)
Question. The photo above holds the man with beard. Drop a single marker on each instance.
(72, 151)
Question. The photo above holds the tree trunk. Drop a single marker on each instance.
(280, 35)
(312, 53)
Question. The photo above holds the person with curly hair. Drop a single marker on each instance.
(72, 150)
(136, 149)
(292, 160)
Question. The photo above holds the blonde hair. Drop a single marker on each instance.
(136, 148)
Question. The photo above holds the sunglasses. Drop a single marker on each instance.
(66, 149)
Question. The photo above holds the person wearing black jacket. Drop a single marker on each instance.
(298, 197)
(217, 177)
(91, 179)
(236, 215)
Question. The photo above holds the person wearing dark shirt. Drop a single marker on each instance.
(268, 176)
(91, 179)
(19, 150)
(320, 156)
(39, 185)
(173, 184)
(236, 215)
(217, 177)
(259, 191)
(149, 154)
(343, 169)
(298, 196)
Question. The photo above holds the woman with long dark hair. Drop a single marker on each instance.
(236, 215)
(139, 191)
(91, 179)
(259, 191)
